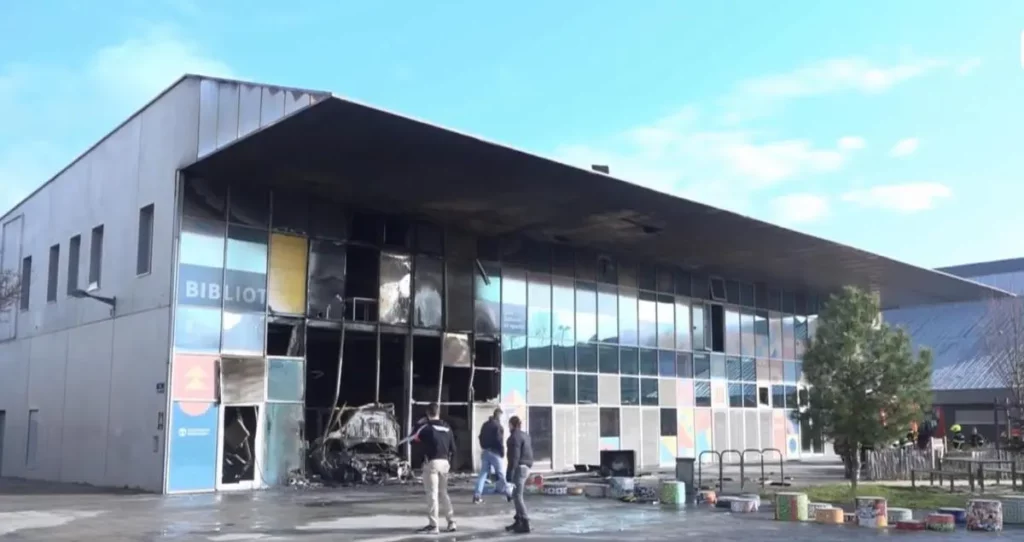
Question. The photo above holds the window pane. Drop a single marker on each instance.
(541, 431)
(538, 354)
(96, 258)
(326, 283)
(701, 366)
(245, 290)
(610, 422)
(800, 336)
(627, 275)
(513, 351)
(701, 393)
(74, 251)
(666, 323)
(563, 358)
(586, 389)
(586, 265)
(792, 399)
(684, 364)
(718, 366)
(197, 328)
(747, 334)
(628, 334)
(513, 301)
(669, 425)
(563, 301)
(608, 313)
(762, 346)
(732, 331)
(428, 303)
(539, 321)
(748, 371)
(285, 379)
(53, 274)
(629, 361)
(732, 368)
(629, 389)
(647, 278)
(608, 358)
(458, 308)
(666, 363)
(649, 391)
(565, 389)
(735, 395)
(144, 250)
(204, 199)
(778, 396)
(292, 214)
(249, 204)
(287, 274)
(586, 357)
(394, 296)
(790, 372)
(648, 362)
(787, 337)
(775, 335)
(648, 321)
(750, 396)
(488, 300)
(697, 324)
(683, 324)
(586, 312)
(665, 280)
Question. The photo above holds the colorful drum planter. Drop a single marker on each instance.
(896, 515)
(791, 506)
(707, 496)
(829, 516)
(871, 512)
(959, 514)
(910, 525)
(984, 515)
(1013, 509)
(940, 522)
(743, 505)
(673, 494)
(812, 508)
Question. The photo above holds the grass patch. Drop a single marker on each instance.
(897, 496)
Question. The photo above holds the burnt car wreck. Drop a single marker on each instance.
(360, 446)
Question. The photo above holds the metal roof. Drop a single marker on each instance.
(369, 157)
(980, 269)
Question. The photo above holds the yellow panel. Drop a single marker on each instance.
(287, 280)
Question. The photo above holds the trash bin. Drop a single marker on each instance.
(684, 474)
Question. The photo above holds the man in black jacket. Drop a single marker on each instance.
(437, 442)
(492, 457)
(520, 460)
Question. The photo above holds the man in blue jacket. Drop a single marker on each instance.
(520, 461)
(492, 457)
(437, 443)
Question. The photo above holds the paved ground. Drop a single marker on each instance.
(377, 515)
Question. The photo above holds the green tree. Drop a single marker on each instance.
(866, 384)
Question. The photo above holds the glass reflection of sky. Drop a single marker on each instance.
(198, 249)
(247, 256)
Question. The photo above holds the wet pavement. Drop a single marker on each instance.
(384, 514)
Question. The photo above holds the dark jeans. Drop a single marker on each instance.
(519, 478)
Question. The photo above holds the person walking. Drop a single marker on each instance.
(492, 457)
(437, 442)
(520, 461)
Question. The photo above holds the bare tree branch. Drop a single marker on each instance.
(10, 290)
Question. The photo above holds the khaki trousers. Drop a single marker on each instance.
(435, 483)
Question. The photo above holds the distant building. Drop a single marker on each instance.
(967, 379)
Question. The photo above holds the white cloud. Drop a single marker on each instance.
(851, 143)
(85, 101)
(901, 198)
(905, 147)
(795, 209)
(838, 75)
(968, 67)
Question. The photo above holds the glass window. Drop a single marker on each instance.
(197, 328)
(488, 300)
(790, 372)
(647, 278)
(74, 252)
(763, 371)
(812, 326)
(666, 363)
(53, 274)
(718, 367)
(607, 272)
(202, 244)
(458, 308)
(513, 351)
(764, 396)
(682, 282)
(628, 332)
(563, 301)
(610, 422)
(287, 274)
(800, 336)
(429, 306)
(394, 295)
(702, 393)
(565, 389)
(539, 320)
(749, 396)
(792, 399)
(291, 213)
(669, 425)
(748, 370)
(761, 342)
(683, 324)
(627, 275)
(586, 312)
(732, 292)
(746, 294)
(563, 261)
(701, 366)
(776, 367)
(684, 364)
(629, 390)
(144, 252)
(697, 324)
(563, 358)
(629, 361)
(586, 358)
(649, 391)
(326, 280)
(245, 290)
(538, 354)
(608, 359)
(665, 281)
(648, 362)
(788, 343)
(747, 334)
(788, 302)
(732, 331)
(541, 431)
(249, 205)
(778, 396)
(732, 368)
(648, 323)
(607, 313)
(775, 335)
(586, 265)
(286, 379)
(735, 395)
(204, 199)
(666, 322)
(586, 389)
(513, 301)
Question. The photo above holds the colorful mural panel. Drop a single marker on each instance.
(667, 455)
(610, 443)
(287, 274)
(719, 394)
(192, 454)
(194, 378)
(685, 443)
(779, 430)
(702, 431)
(684, 392)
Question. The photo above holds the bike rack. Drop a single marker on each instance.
(782, 468)
(721, 468)
(743, 456)
(700, 466)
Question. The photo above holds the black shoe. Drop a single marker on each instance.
(429, 529)
(478, 500)
(508, 497)
(513, 527)
(523, 527)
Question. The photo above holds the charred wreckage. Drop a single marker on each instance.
(360, 446)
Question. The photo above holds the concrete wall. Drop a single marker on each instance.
(98, 380)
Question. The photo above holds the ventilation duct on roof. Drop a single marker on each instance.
(601, 169)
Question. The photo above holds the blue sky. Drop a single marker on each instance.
(891, 126)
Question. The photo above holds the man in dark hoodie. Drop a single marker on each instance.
(492, 457)
(437, 442)
(520, 461)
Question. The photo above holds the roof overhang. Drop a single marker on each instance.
(369, 157)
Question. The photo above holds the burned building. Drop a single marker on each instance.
(295, 252)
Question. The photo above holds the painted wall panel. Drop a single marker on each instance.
(46, 384)
(540, 388)
(650, 419)
(192, 447)
(720, 431)
(286, 379)
(287, 274)
(194, 377)
(750, 430)
(295, 100)
(513, 387)
(667, 392)
(208, 101)
(565, 451)
(737, 433)
(719, 394)
(668, 451)
(610, 443)
(271, 106)
(588, 439)
(227, 113)
(249, 105)
(779, 430)
(765, 422)
(685, 434)
(608, 390)
(631, 437)
(284, 445)
(703, 432)
(684, 392)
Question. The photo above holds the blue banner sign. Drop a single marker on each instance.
(240, 291)
(192, 454)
